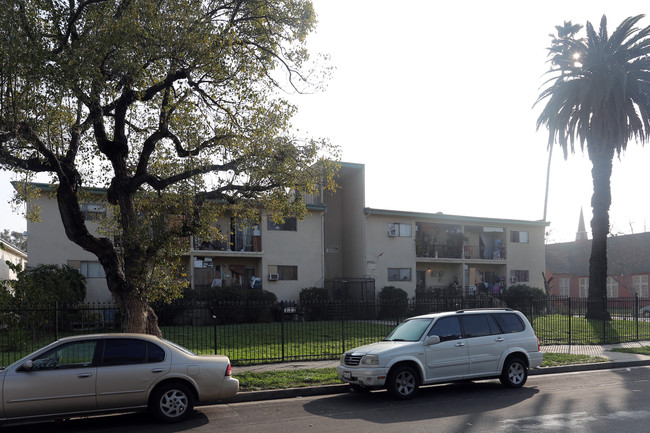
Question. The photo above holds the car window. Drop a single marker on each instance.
(509, 322)
(447, 328)
(476, 325)
(124, 351)
(69, 355)
(155, 353)
(409, 330)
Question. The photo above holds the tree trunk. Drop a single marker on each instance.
(601, 200)
(138, 317)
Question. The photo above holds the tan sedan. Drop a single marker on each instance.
(103, 373)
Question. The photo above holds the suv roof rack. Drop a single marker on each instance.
(485, 309)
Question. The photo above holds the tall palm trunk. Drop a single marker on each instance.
(601, 200)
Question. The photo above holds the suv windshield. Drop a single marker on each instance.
(410, 330)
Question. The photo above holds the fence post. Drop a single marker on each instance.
(343, 325)
(570, 316)
(605, 321)
(282, 328)
(214, 330)
(56, 320)
(636, 314)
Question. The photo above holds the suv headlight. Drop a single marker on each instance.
(370, 360)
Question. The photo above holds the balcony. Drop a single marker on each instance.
(237, 242)
(464, 252)
(439, 241)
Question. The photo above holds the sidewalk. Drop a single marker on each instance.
(616, 360)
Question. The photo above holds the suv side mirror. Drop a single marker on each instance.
(431, 340)
(27, 365)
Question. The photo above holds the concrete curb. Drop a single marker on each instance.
(275, 394)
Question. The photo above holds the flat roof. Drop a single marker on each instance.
(452, 218)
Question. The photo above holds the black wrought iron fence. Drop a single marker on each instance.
(253, 333)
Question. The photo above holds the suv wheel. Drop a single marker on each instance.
(514, 373)
(403, 382)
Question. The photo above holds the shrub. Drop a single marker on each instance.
(393, 303)
(314, 303)
(392, 294)
(314, 294)
(524, 298)
(235, 305)
(47, 284)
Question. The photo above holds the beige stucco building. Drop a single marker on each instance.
(9, 253)
(342, 245)
(430, 253)
(48, 244)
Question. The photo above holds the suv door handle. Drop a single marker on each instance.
(460, 344)
(500, 339)
(157, 370)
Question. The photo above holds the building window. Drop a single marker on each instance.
(565, 290)
(640, 284)
(289, 225)
(518, 276)
(612, 288)
(93, 211)
(584, 287)
(92, 270)
(399, 274)
(399, 229)
(518, 237)
(284, 272)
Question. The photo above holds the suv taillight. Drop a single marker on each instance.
(229, 370)
(539, 348)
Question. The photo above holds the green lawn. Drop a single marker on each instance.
(261, 343)
(554, 329)
(282, 379)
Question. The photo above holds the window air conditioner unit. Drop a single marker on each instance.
(274, 277)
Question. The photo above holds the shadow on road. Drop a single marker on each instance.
(431, 402)
(132, 423)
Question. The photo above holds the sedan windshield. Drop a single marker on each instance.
(410, 330)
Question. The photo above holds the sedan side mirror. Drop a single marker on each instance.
(27, 365)
(431, 340)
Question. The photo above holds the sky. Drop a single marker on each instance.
(436, 100)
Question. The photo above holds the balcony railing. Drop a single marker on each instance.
(239, 242)
(466, 251)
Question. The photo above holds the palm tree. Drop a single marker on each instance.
(599, 95)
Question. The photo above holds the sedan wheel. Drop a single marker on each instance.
(172, 402)
(403, 382)
(515, 373)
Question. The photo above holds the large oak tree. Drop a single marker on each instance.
(172, 106)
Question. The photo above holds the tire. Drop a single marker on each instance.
(403, 382)
(172, 402)
(358, 388)
(646, 313)
(515, 373)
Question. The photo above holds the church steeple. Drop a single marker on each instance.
(581, 234)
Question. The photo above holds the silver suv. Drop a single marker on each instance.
(446, 347)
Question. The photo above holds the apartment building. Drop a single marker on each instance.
(11, 254)
(433, 253)
(342, 245)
